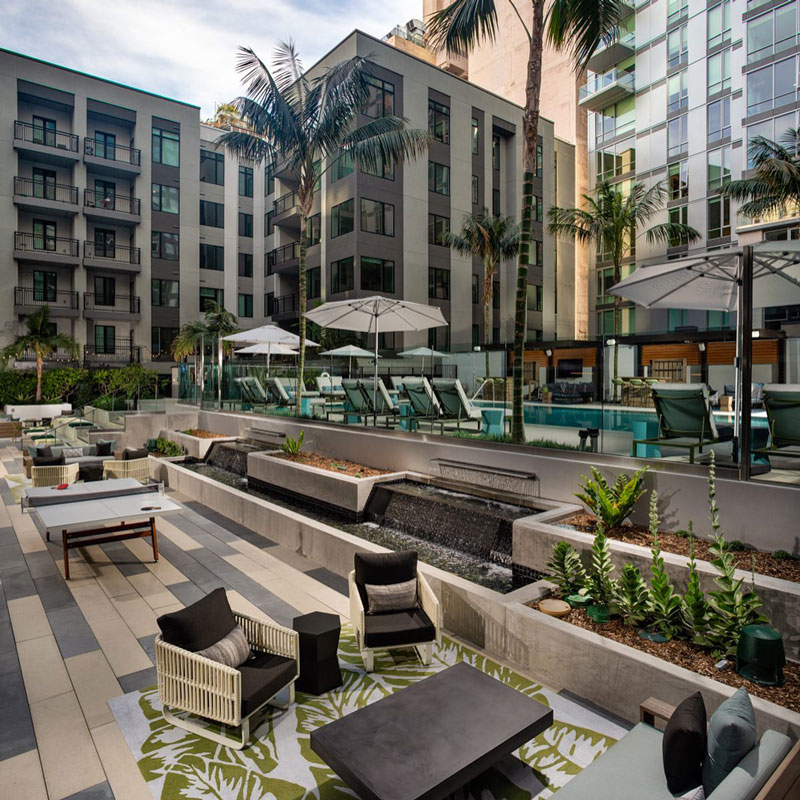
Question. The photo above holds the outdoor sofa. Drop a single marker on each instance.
(568, 392)
(83, 455)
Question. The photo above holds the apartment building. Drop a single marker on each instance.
(383, 233)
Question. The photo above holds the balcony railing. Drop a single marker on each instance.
(31, 296)
(285, 202)
(112, 303)
(43, 190)
(280, 255)
(596, 83)
(112, 252)
(285, 304)
(36, 134)
(92, 198)
(59, 355)
(118, 351)
(112, 152)
(41, 243)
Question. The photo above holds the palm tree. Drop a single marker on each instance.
(489, 238)
(42, 340)
(299, 121)
(190, 340)
(580, 25)
(774, 187)
(611, 221)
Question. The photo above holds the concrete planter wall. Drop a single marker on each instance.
(194, 446)
(323, 486)
(36, 411)
(561, 655)
(534, 538)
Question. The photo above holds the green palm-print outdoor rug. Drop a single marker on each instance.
(279, 762)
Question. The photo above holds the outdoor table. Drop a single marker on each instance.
(407, 421)
(318, 633)
(493, 421)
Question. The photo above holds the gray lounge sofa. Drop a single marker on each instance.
(88, 455)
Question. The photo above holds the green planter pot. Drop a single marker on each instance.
(598, 614)
(578, 600)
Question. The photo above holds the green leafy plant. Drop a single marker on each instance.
(613, 503)
(736, 546)
(666, 602)
(632, 596)
(601, 586)
(566, 569)
(683, 533)
(695, 607)
(292, 446)
(783, 555)
(165, 447)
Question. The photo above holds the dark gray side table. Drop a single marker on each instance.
(319, 644)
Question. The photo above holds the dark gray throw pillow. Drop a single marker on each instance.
(199, 625)
(731, 735)
(683, 745)
(44, 452)
(103, 448)
(48, 461)
(391, 596)
(129, 454)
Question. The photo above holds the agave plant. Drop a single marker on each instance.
(667, 605)
(632, 597)
(613, 503)
(566, 569)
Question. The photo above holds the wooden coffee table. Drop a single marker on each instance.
(431, 738)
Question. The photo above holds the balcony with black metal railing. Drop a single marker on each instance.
(103, 254)
(61, 302)
(45, 144)
(111, 206)
(283, 259)
(110, 306)
(284, 307)
(118, 351)
(34, 194)
(286, 210)
(111, 159)
(57, 356)
(40, 248)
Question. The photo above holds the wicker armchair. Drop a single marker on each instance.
(197, 685)
(54, 476)
(138, 468)
(420, 627)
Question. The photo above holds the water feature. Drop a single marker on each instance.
(232, 456)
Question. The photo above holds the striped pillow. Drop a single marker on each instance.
(391, 596)
(231, 650)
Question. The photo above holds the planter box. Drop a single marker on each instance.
(321, 487)
(534, 538)
(32, 412)
(194, 446)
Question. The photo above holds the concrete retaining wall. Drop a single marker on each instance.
(193, 445)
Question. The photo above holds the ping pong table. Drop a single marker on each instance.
(98, 512)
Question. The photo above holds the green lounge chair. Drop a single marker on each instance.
(384, 405)
(248, 393)
(782, 404)
(454, 404)
(277, 392)
(424, 404)
(684, 419)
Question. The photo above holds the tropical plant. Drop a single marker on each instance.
(298, 121)
(578, 25)
(566, 569)
(292, 446)
(42, 340)
(491, 239)
(613, 503)
(165, 447)
(632, 597)
(695, 607)
(602, 587)
(611, 222)
(665, 602)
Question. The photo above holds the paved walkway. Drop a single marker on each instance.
(68, 647)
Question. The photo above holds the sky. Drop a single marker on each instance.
(186, 49)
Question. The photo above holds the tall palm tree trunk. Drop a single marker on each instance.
(301, 305)
(530, 129)
(487, 307)
(39, 365)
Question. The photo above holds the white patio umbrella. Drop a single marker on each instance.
(268, 335)
(422, 352)
(377, 315)
(276, 349)
(348, 351)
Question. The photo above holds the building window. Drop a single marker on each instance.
(377, 217)
(539, 160)
(719, 72)
(245, 225)
(717, 320)
(245, 265)
(476, 335)
(678, 46)
(164, 293)
(772, 86)
(678, 216)
(313, 230)
(269, 302)
(165, 245)
(475, 137)
(438, 283)
(342, 166)
(616, 120)
(342, 275)
(677, 136)
(105, 290)
(719, 120)
(269, 179)
(678, 91)
(538, 210)
(495, 294)
(439, 338)
(212, 214)
(536, 253)
(212, 167)
(677, 318)
(377, 275)
(212, 256)
(342, 218)
(438, 178)
(476, 289)
(534, 297)
(380, 102)
(268, 227)
(166, 147)
(719, 24)
(313, 283)
(678, 180)
(439, 121)
(476, 194)
(495, 151)
(719, 168)
(383, 169)
(166, 199)
(245, 305)
(209, 298)
(245, 182)
(496, 202)
(772, 33)
(105, 339)
(676, 11)
(615, 160)
(438, 229)
(44, 286)
(719, 217)
(161, 341)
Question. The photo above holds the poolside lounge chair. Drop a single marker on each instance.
(277, 392)
(356, 401)
(329, 385)
(249, 393)
(684, 419)
(454, 404)
(423, 401)
(782, 403)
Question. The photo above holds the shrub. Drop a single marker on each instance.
(165, 447)
(632, 596)
(566, 569)
(695, 607)
(666, 602)
(292, 446)
(783, 555)
(601, 586)
(613, 503)
(735, 546)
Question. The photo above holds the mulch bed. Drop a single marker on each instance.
(765, 563)
(334, 465)
(694, 658)
(200, 434)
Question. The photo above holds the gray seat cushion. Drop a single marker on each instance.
(263, 677)
(398, 628)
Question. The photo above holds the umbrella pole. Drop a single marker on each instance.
(219, 377)
(737, 378)
(269, 351)
(375, 384)
(746, 377)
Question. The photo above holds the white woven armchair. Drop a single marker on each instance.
(197, 685)
(55, 475)
(138, 468)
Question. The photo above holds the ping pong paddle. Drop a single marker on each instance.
(62, 486)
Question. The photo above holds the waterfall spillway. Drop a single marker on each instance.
(232, 456)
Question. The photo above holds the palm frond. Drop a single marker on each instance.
(667, 233)
(385, 139)
(582, 26)
(463, 23)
